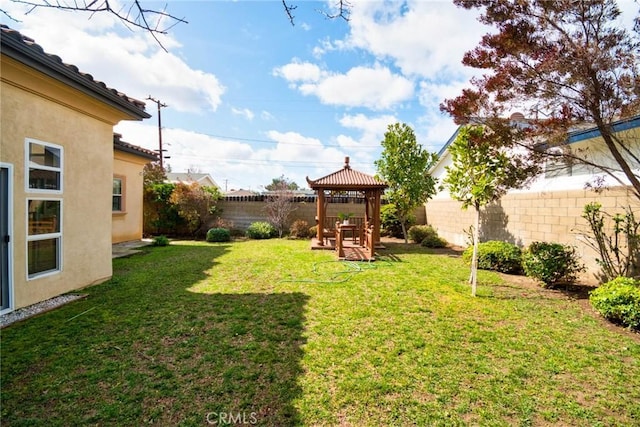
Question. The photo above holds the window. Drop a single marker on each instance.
(44, 236)
(44, 166)
(117, 204)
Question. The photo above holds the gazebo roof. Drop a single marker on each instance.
(346, 179)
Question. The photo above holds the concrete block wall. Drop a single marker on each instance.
(526, 217)
(243, 212)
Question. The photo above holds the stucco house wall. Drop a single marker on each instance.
(128, 166)
(550, 209)
(36, 106)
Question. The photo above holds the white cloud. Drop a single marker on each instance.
(297, 71)
(131, 62)
(372, 129)
(243, 112)
(375, 87)
(265, 115)
(236, 163)
(420, 37)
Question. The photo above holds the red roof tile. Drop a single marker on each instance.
(119, 144)
(27, 51)
(346, 179)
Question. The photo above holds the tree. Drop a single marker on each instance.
(279, 205)
(155, 21)
(405, 165)
(565, 60)
(132, 14)
(277, 184)
(196, 205)
(153, 173)
(342, 10)
(482, 172)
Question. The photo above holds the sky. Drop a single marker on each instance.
(250, 97)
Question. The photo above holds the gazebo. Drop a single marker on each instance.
(348, 181)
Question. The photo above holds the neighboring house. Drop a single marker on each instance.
(550, 209)
(128, 167)
(56, 173)
(203, 179)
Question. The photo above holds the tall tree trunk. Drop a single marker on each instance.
(474, 258)
(606, 131)
(404, 230)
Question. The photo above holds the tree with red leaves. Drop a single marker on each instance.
(565, 63)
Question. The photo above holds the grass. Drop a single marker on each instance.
(271, 333)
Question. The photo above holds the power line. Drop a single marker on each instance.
(292, 163)
(267, 141)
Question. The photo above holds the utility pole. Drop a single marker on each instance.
(160, 150)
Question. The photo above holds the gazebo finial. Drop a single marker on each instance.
(346, 163)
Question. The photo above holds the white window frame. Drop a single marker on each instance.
(46, 236)
(28, 166)
(123, 183)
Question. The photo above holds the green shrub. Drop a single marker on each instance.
(619, 301)
(313, 231)
(496, 255)
(261, 230)
(299, 229)
(218, 235)
(160, 241)
(433, 241)
(427, 236)
(391, 225)
(417, 233)
(552, 263)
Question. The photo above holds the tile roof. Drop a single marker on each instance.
(346, 179)
(121, 145)
(25, 50)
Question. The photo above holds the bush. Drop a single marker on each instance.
(299, 229)
(433, 241)
(313, 231)
(160, 241)
(496, 255)
(427, 236)
(390, 223)
(417, 233)
(619, 301)
(218, 235)
(552, 263)
(261, 230)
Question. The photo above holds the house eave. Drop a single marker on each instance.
(52, 66)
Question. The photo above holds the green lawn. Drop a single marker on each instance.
(272, 333)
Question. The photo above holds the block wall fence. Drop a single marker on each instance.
(523, 218)
(244, 212)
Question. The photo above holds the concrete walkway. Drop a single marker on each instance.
(124, 249)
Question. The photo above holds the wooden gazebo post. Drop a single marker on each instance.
(320, 213)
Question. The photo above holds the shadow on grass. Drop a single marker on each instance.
(396, 247)
(575, 290)
(143, 349)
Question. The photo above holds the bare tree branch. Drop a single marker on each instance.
(344, 11)
(289, 8)
(154, 21)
